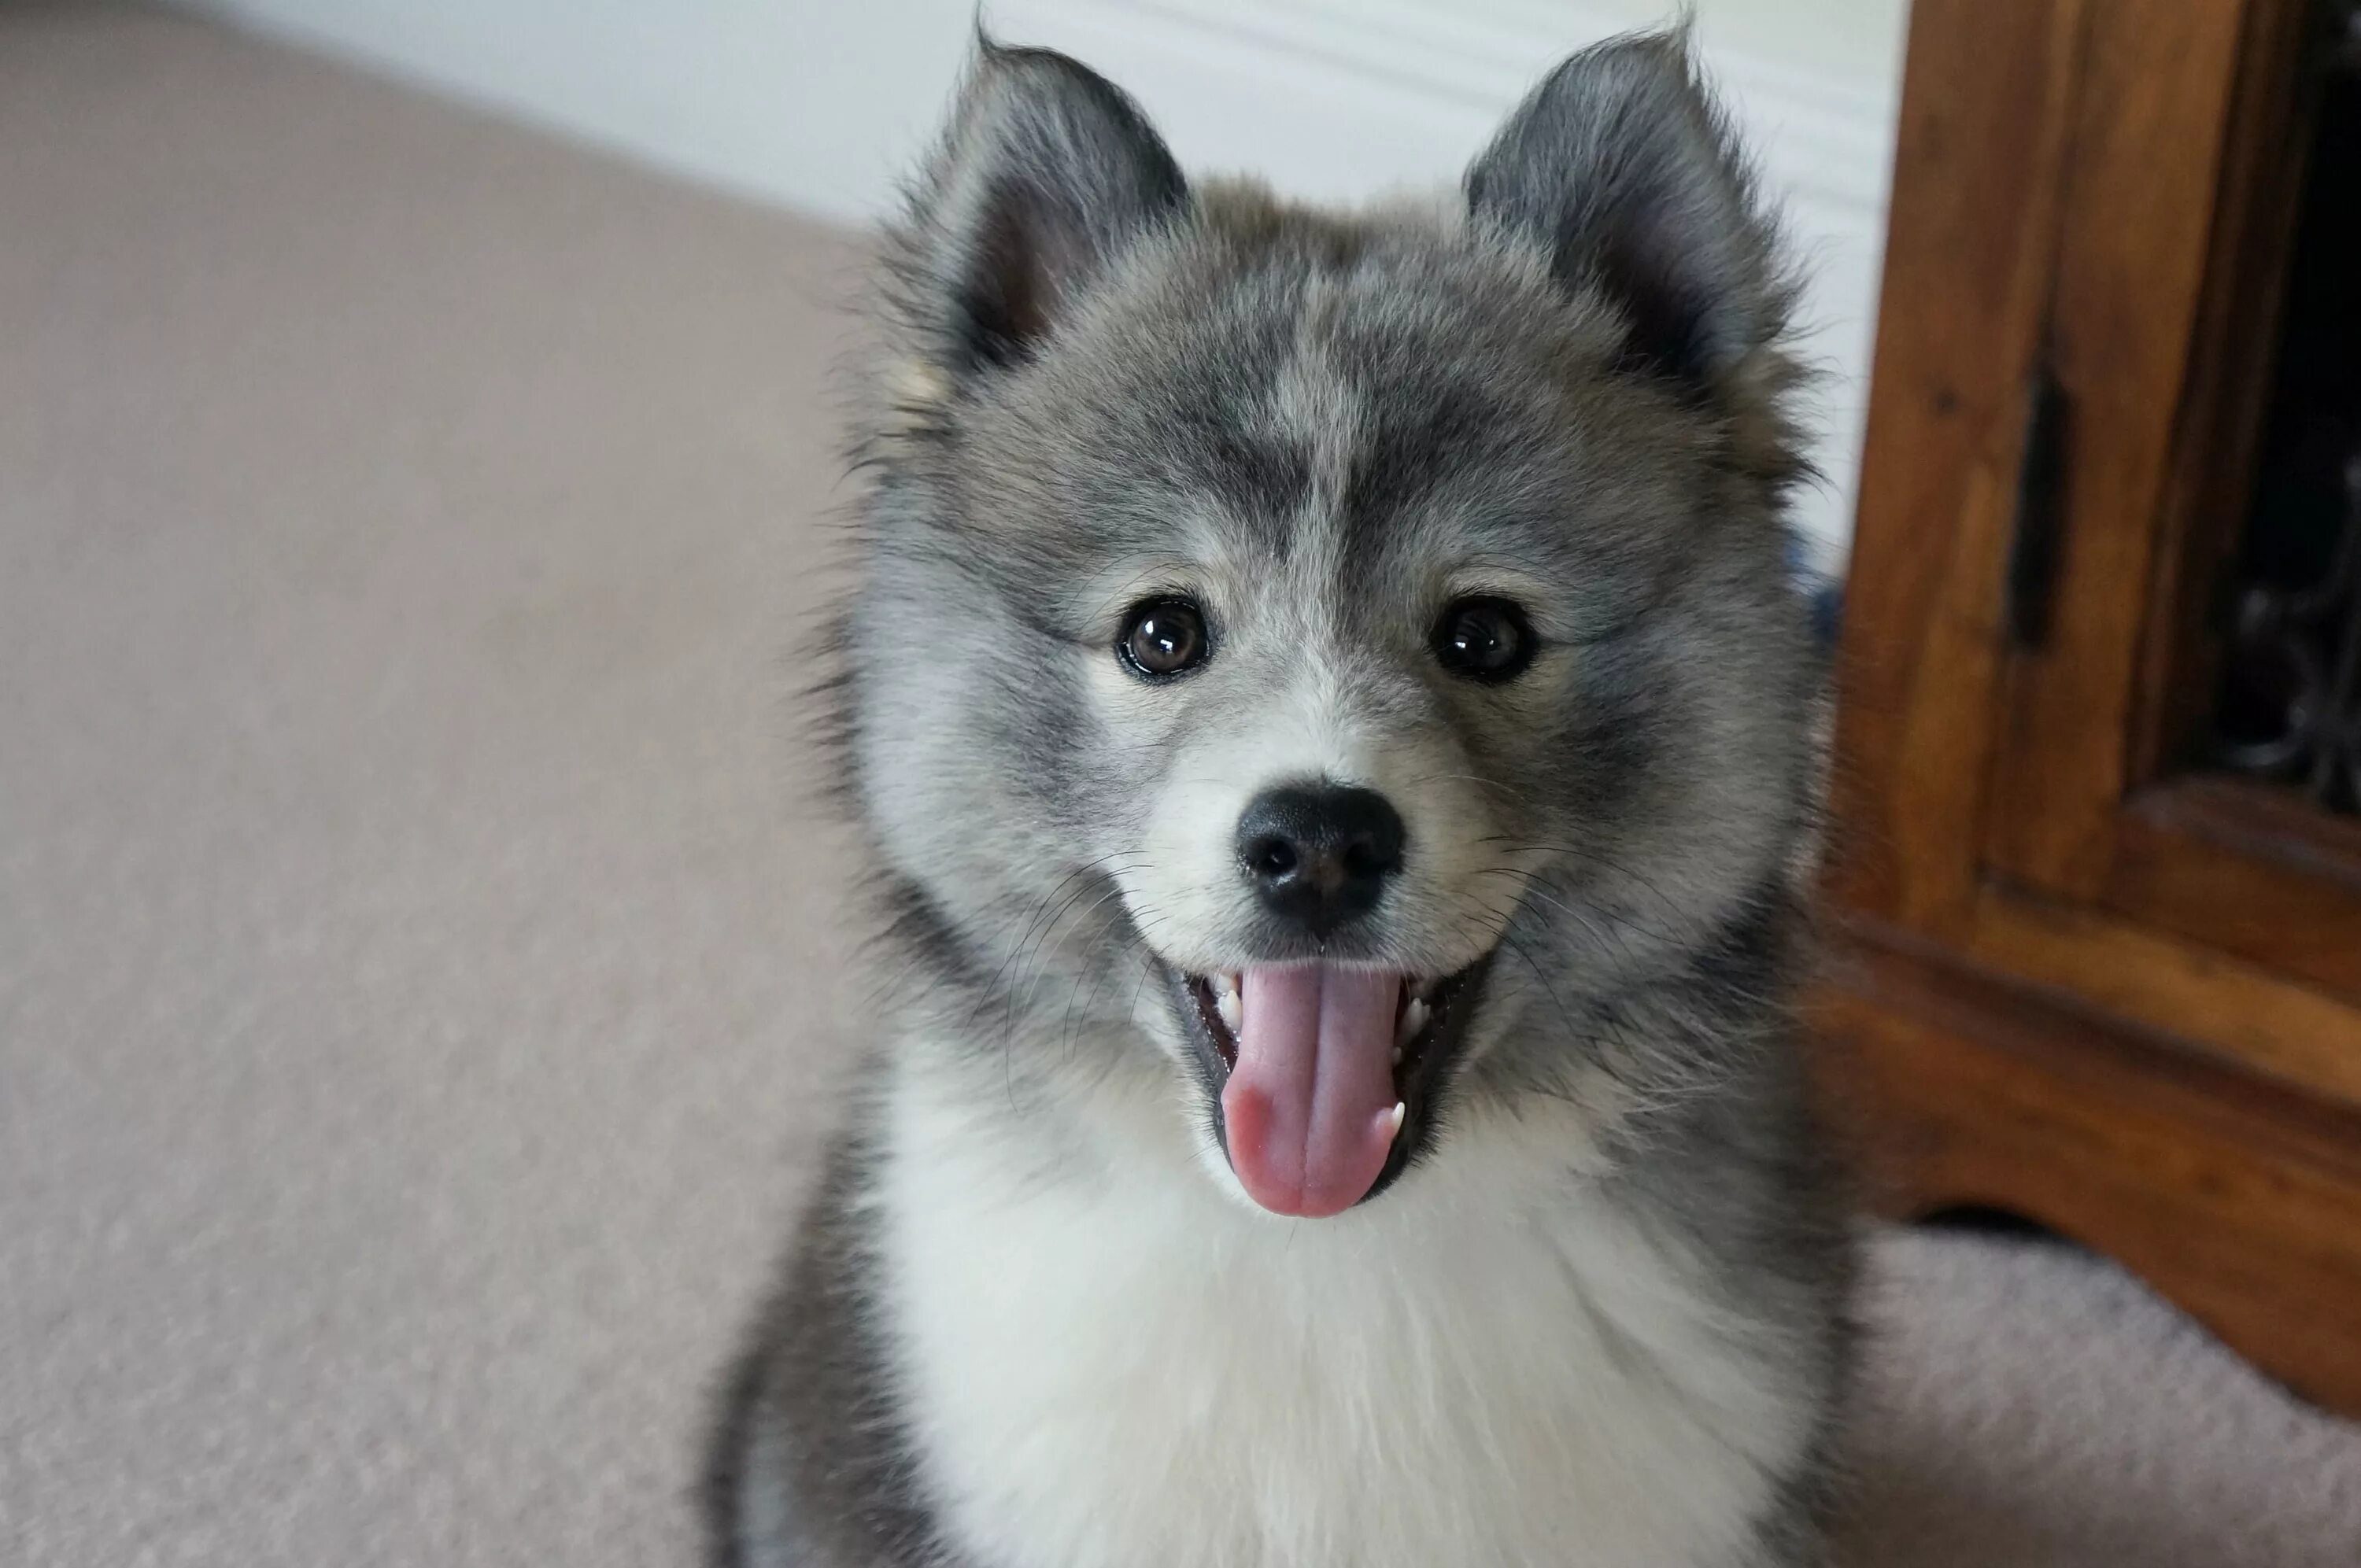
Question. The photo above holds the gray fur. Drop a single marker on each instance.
(1310, 420)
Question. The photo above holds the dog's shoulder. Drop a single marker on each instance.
(809, 1464)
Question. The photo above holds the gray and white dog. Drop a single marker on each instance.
(1329, 713)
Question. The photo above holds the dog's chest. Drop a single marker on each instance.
(1132, 1371)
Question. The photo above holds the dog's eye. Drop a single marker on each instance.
(1483, 638)
(1163, 637)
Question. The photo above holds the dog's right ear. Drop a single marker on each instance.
(1624, 169)
(1048, 173)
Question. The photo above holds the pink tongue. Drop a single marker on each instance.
(1309, 1108)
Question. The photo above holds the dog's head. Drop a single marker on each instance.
(1330, 650)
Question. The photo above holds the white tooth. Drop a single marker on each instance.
(1227, 983)
(1226, 1004)
(1414, 1019)
(1401, 1110)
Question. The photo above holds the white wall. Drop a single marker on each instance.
(822, 103)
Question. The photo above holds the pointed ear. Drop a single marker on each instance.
(1624, 169)
(1047, 174)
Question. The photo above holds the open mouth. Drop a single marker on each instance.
(1323, 1076)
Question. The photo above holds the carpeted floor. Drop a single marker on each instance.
(420, 978)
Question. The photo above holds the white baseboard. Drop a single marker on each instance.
(823, 105)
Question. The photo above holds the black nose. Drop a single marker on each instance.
(1320, 854)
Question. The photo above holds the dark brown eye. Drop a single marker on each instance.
(1162, 638)
(1483, 638)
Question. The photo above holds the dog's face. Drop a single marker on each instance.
(1331, 650)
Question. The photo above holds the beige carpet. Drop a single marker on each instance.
(419, 984)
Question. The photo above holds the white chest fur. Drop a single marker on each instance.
(1110, 1363)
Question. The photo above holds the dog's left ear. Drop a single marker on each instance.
(1623, 168)
(1047, 175)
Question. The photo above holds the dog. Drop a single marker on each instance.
(1331, 723)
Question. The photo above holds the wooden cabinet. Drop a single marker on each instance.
(2094, 948)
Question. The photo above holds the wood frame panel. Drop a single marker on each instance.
(2125, 1005)
(2181, 200)
(2247, 869)
(2142, 171)
(1971, 232)
(2240, 1200)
